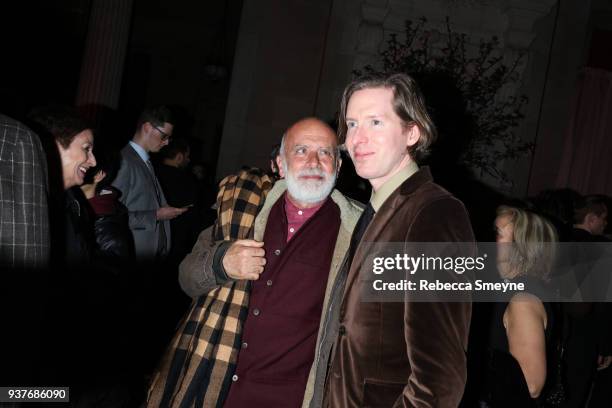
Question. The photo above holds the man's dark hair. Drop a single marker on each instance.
(275, 152)
(62, 123)
(273, 155)
(590, 204)
(176, 146)
(156, 115)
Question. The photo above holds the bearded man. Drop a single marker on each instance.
(301, 237)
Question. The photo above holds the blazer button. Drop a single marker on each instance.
(269, 282)
(245, 345)
(341, 330)
(234, 378)
(256, 312)
(277, 252)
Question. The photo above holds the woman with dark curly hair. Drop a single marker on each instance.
(69, 142)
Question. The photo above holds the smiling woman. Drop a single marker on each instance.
(77, 158)
(68, 140)
(83, 276)
(73, 138)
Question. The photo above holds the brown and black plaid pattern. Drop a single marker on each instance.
(24, 220)
(202, 358)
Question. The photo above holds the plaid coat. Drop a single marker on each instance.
(24, 220)
(24, 250)
(197, 279)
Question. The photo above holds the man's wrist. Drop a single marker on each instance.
(221, 276)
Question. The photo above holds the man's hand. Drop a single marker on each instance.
(244, 259)
(168, 213)
(603, 362)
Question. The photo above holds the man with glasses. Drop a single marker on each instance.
(149, 213)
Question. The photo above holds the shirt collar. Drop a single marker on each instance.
(296, 214)
(141, 152)
(379, 197)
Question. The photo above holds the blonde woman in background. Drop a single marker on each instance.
(522, 327)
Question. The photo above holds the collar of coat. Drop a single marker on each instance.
(422, 176)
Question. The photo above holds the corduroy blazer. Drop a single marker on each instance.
(403, 354)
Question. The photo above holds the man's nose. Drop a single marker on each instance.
(357, 136)
(313, 159)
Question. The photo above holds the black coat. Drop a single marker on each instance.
(78, 235)
(113, 235)
(111, 227)
(181, 189)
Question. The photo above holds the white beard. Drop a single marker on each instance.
(309, 191)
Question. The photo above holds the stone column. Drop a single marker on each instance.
(104, 55)
(371, 32)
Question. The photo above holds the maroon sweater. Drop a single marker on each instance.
(280, 332)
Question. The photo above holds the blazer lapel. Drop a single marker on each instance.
(150, 173)
(383, 217)
(371, 236)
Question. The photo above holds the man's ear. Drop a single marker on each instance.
(146, 127)
(279, 164)
(589, 219)
(413, 134)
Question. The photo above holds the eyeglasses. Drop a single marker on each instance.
(164, 135)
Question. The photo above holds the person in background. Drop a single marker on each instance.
(180, 189)
(76, 287)
(24, 242)
(69, 142)
(522, 328)
(149, 220)
(111, 223)
(589, 323)
(24, 249)
(590, 217)
(141, 193)
(274, 161)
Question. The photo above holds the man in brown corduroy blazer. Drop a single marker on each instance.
(397, 354)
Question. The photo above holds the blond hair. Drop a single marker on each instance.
(534, 243)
